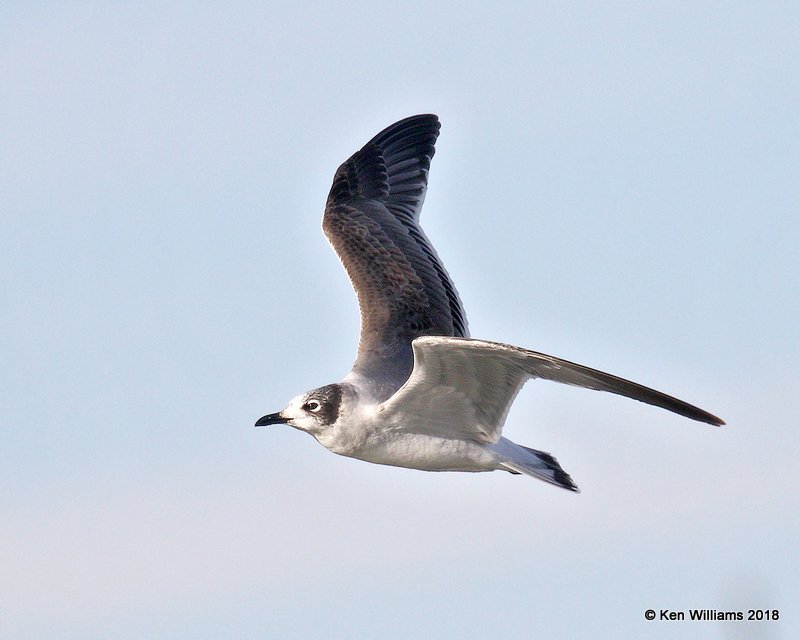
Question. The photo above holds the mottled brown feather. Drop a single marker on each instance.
(371, 220)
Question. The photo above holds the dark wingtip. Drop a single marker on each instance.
(704, 416)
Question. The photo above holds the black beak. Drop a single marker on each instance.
(272, 418)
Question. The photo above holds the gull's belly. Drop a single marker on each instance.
(428, 453)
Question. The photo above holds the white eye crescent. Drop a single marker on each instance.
(313, 406)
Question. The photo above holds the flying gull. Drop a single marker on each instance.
(423, 394)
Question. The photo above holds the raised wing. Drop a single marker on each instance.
(371, 219)
(462, 388)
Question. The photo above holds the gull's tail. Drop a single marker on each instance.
(538, 464)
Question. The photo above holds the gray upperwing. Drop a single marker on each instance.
(540, 365)
(558, 370)
(371, 220)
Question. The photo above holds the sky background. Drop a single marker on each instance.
(615, 184)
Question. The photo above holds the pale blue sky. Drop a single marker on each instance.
(615, 184)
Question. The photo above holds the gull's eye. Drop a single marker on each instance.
(312, 405)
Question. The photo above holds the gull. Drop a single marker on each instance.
(422, 394)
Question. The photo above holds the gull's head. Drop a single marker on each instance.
(313, 411)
